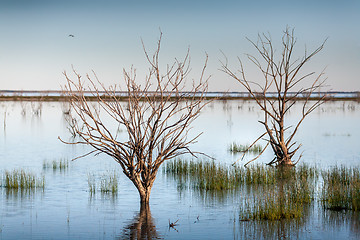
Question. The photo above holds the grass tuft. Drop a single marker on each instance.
(341, 189)
(240, 148)
(21, 180)
(272, 205)
(62, 165)
(205, 175)
(108, 183)
(285, 193)
(91, 184)
(277, 193)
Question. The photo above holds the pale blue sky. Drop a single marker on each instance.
(35, 48)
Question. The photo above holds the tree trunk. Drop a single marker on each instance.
(286, 161)
(144, 190)
(144, 196)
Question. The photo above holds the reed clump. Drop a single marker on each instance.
(108, 183)
(341, 189)
(273, 205)
(21, 180)
(205, 175)
(260, 175)
(241, 148)
(210, 175)
(284, 193)
(61, 165)
(277, 192)
(91, 184)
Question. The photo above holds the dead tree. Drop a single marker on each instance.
(283, 75)
(155, 117)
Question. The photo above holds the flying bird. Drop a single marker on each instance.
(70, 35)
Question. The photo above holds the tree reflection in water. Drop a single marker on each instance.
(142, 226)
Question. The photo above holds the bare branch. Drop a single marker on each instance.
(155, 117)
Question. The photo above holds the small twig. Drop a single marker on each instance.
(172, 225)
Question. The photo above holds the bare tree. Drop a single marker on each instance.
(283, 75)
(156, 117)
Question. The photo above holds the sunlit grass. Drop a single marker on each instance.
(260, 174)
(240, 148)
(210, 175)
(92, 184)
(205, 175)
(277, 193)
(341, 189)
(272, 205)
(61, 165)
(21, 180)
(108, 183)
(284, 193)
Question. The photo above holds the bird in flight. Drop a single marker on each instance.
(71, 35)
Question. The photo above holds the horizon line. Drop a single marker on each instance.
(103, 91)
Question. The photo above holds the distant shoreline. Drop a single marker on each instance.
(54, 95)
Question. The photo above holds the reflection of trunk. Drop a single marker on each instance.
(142, 226)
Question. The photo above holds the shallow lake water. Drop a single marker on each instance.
(66, 209)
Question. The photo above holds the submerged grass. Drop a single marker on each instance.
(287, 199)
(284, 194)
(61, 165)
(92, 184)
(259, 174)
(209, 175)
(205, 175)
(21, 180)
(272, 205)
(240, 148)
(108, 183)
(277, 193)
(341, 189)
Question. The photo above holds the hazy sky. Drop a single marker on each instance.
(35, 47)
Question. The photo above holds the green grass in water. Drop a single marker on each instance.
(108, 183)
(205, 175)
(272, 206)
(240, 148)
(297, 183)
(91, 184)
(61, 165)
(284, 194)
(341, 189)
(21, 180)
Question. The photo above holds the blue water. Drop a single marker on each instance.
(66, 209)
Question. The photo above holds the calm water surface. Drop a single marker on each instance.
(66, 209)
